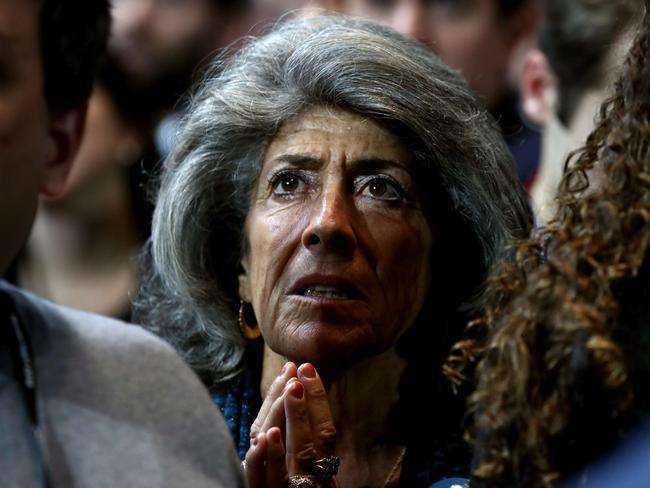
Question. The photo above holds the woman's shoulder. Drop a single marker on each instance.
(239, 398)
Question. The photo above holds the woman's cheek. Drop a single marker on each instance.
(272, 239)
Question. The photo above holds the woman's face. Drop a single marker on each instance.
(338, 262)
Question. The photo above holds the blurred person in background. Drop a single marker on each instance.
(84, 400)
(484, 40)
(81, 249)
(156, 49)
(582, 44)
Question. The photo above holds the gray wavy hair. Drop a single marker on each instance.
(190, 292)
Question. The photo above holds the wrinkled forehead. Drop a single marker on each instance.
(332, 120)
(322, 127)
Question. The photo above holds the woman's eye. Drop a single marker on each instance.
(382, 189)
(288, 184)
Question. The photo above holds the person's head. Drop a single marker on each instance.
(477, 37)
(158, 44)
(581, 45)
(564, 372)
(50, 53)
(564, 81)
(344, 181)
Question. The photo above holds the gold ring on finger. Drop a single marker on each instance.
(303, 481)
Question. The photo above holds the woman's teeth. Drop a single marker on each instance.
(321, 291)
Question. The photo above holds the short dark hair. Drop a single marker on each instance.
(74, 34)
(576, 38)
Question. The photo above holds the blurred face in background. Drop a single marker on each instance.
(23, 123)
(99, 177)
(36, 143)
(469, 35)
(155, 40)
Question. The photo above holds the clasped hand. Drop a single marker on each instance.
(293, 430)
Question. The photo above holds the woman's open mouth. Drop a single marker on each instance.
(324, 291)
(326, 287)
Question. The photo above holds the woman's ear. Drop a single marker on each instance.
(65, 132)
(538, 88)
(244, 283)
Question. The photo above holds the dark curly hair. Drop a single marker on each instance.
(561, 353)
(74, 34)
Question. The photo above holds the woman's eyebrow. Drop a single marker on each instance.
(303, 161)
(306, 161)
(374, 164)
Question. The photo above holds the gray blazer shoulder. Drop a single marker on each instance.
(118, 407)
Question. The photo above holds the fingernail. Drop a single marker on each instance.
(297, 389)
(274, 436)
(254, 441)
(287, 385)
(284, 368)
(307, 370)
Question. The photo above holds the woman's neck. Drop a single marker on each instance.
(362, 398)
(361, 402)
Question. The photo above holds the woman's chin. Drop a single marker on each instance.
(332, 356)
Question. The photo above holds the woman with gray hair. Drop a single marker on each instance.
(333, 204)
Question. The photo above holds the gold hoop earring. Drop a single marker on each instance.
(249, 332)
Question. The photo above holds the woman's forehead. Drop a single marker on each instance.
(321, 116)
(319, 127)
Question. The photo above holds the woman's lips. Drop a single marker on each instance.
(326, 287)
(326, 291)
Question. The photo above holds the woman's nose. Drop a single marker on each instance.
(331, 228)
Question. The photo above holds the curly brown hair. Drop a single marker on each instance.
(561, 353)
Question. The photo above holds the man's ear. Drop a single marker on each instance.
(66, 129)
(538, 88)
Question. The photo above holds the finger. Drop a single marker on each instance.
(275, 391)
(255, 459)
(275, 416)
(276, 467)
(301, 453)
(318, 409)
